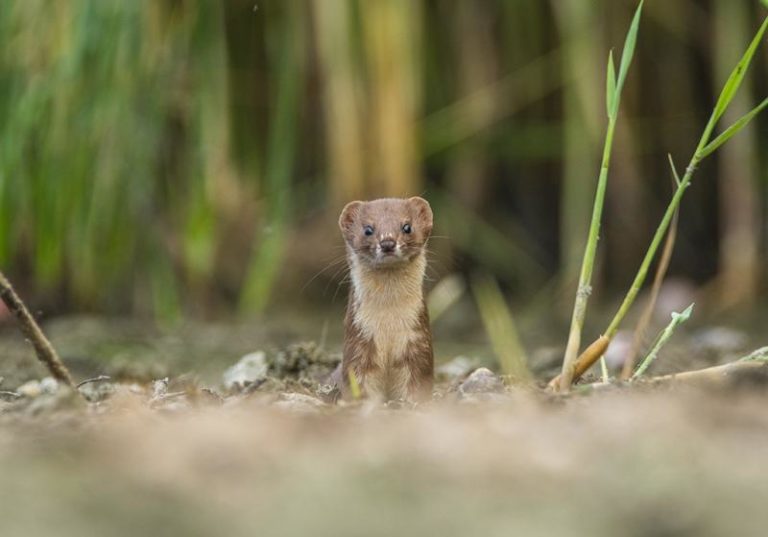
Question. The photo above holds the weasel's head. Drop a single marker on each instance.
(387, 232)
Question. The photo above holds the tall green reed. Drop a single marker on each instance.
(614, 86)
(91, 92)
(705, 148)
(286, 53)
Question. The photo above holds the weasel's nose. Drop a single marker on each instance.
(387, 246)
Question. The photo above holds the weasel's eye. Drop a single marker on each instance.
(407, 228)
(368, 230)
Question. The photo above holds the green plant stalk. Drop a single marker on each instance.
(661, 230)
(585, 277)
(703, 149)
(614, 87)
(604, 370)
(661, 340)
(759, 355)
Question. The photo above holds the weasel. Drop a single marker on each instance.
(387, 338)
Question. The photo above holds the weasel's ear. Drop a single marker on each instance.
(348, 216)
(423, 213)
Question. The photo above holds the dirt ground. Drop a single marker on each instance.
(149, 459)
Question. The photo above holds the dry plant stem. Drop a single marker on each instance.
(100, 378)
(710, 376)
(645, 318)
(31, 330)
(715, 374)
(585, 360)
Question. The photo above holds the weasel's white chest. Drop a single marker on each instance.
(392, 325)
(387, 309)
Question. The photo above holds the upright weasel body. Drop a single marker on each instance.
(387, 342)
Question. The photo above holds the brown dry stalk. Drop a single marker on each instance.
(590, 355)
(31, 330)
(645, 318)
(717, 374)
(725, 374)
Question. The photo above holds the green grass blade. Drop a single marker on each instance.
(737, 75)
(610, 84)
(759, 355)
(445, 294)
(354, 386)
(629, 50)
(733, 129)
(501, 328)
(661, 340)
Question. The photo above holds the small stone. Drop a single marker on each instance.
(30, 389)
(328, 392)
(49, 385)
(61, 400)
(246, 371)
(482, 380)
(97, 391)
(159, 388)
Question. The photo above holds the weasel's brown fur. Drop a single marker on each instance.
(388, 342)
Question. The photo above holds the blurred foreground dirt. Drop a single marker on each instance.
(647, 462)
(271, 458)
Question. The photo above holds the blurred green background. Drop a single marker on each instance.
(171, 157)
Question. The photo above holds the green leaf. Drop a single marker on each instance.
(500, 326)
(679, 318)
(629, 50)
(737, 75)
(733, 129)
(610, 84)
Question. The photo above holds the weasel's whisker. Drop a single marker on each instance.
(338, 288)
(330, 265)
(343, 270)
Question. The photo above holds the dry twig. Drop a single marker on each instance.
(31, 330)
(100, 378)
(753, 367)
